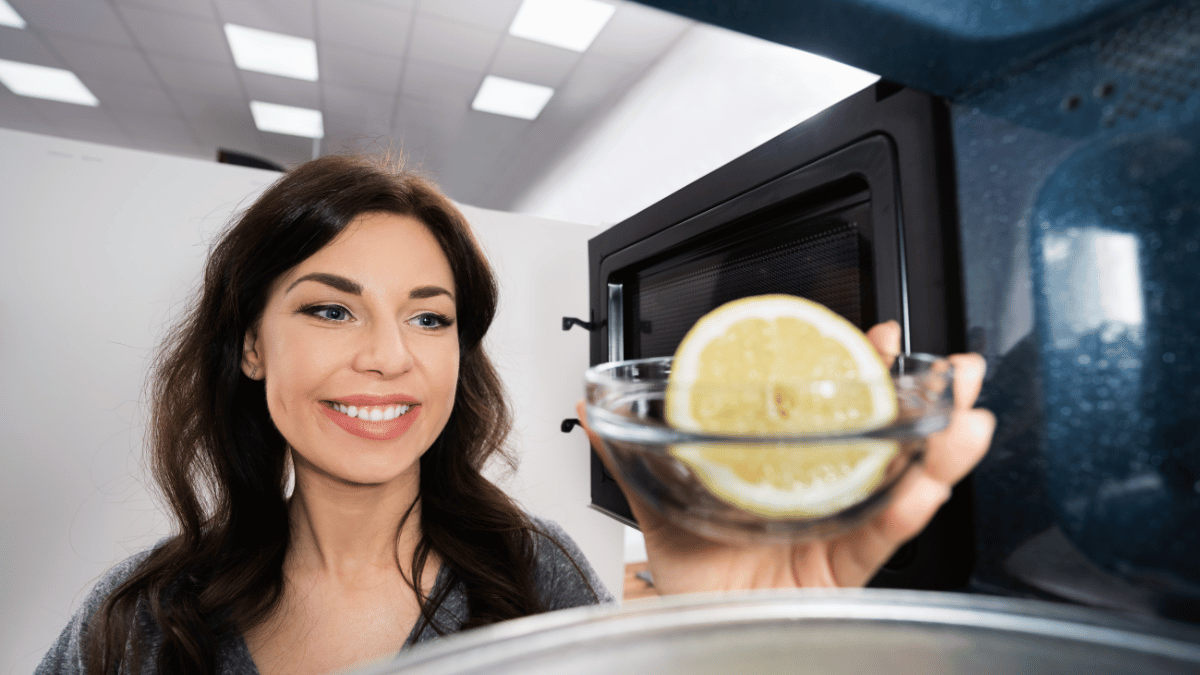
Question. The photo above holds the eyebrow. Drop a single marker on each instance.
(339, 282)
(354, 288)
(422, 292)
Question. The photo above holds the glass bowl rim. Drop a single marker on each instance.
(600, 374)
(604, 422)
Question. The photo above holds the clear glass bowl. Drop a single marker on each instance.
(625, 406)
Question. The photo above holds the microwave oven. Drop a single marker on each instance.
(1024, 182)
(848, 209)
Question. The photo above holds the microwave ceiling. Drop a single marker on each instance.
(397, 75)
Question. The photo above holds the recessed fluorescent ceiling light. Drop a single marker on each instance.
(570, 24)
(509, 97)
(55, 84)
(286, 119)
(9, 16)
(272, 53)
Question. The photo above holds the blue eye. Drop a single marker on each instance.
(335, 313)
(431, 320)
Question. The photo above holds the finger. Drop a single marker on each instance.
(914, 503)
(886, 338)
(950, 455)
(856, 557)
(968, 379)
(952, 452)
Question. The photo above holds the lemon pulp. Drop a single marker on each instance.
(781, 364)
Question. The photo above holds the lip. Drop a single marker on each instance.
(368, 400)
(375, 431)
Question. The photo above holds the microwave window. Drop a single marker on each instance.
(826, 259)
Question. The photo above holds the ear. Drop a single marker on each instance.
(252, 365)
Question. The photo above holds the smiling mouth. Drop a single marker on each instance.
(374, 413)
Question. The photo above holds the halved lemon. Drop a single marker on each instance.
(781, 365)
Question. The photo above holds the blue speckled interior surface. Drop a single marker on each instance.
(1076, 128)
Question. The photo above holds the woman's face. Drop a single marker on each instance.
(359, 349)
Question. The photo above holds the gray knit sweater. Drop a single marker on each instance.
(557, 580)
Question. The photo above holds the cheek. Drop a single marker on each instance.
(295, 369)
(445, 380)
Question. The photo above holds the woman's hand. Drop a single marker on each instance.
(682, 562)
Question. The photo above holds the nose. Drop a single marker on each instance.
(384, 351)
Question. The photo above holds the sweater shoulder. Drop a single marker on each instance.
(66, 655)
(563, 575)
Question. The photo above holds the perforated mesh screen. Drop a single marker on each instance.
(826, 261)
(1158, 59)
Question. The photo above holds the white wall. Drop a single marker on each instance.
(542, 269)
(102, 249)
(713, 97)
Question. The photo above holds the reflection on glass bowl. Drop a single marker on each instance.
(771, 487)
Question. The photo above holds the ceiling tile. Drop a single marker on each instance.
(285, 90)
(454, 44)
(370, 27)
(440, 83)
(290, 17)
(359, 107)
(146, 128)
(197, 76)
(494, 14)
(117, 61)
(529, 61)
(94, 20)
(118, 94)
(358, 69)
(201, 8)
(406, 5)
(220, 123)
(25, 46)
(16, 113)
(425, 130)
(165, 32)
(80, 121)
(355, 139)
(638, 34)
(424, 115)
(287, 150)
(207, 113)
(422, 154)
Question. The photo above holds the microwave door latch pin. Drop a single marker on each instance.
(569, 321)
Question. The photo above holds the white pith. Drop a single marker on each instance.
(371, 413)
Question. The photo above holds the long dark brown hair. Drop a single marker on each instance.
(221, 463)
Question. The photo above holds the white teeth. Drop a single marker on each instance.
(372, 414)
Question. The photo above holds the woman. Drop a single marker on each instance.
(338, 339)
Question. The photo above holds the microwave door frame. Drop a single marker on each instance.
(872, 159)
